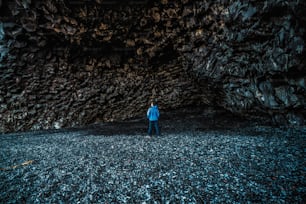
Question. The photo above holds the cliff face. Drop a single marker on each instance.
(70, 63)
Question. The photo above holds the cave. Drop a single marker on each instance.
(77, 78)
(74, 63)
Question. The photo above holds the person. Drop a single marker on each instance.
(153, 115)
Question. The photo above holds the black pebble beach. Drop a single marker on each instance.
(256, 164)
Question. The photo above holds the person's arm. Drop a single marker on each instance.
(157, 111)
(148, 113)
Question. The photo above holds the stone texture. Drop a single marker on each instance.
(234, 164)
(70, 64)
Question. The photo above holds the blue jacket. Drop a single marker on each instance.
(153, 113)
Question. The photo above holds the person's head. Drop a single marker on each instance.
(153, 103)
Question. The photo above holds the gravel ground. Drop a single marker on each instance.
(247, 165)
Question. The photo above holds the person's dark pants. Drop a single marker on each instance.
(155, 124)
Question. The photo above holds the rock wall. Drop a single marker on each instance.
(71, 63)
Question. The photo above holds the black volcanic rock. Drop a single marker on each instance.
(69, 64)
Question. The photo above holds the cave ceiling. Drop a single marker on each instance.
(72, 63)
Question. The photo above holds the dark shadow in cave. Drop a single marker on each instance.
(165, 56)
(4, 9)
(191, 118)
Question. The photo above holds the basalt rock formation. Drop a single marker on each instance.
(71, 63)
